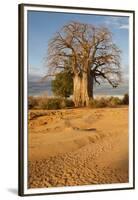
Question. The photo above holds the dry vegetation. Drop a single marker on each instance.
(48, 103)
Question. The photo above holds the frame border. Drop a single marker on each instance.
(21, 97)
(20, 100)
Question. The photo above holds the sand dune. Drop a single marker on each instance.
(78, 147)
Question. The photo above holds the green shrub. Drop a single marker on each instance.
(98, 103)
(102, 103)
(105, 102)
(62, 85)
(51, 104)
(114, 101)
(59, 103)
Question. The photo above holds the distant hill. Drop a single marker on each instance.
(34, 78)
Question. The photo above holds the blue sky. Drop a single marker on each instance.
(42, 26)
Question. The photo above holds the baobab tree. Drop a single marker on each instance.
(92, 56)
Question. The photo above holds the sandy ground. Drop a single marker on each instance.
(78, 147)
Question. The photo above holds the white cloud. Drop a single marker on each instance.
(124, 26)
(36, 71)
(112, 20)
(117, 22)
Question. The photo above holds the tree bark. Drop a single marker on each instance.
(77, 82)
(87, 84)
(83, 88)
(87, 88)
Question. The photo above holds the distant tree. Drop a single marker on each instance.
(125, 99)
(62, 85)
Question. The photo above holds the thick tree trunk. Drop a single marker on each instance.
(83, 87)
(87, 88)
(84, 90)
(77, 82)
(87, 84)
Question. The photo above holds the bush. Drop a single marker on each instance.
(57, 103)
(114, 101)
(93, 103)
(60, 103)
(105, 102)
(42, 101)
(62, 85)
(32, 102)
(98, 103)
(49, 103)
(125, 99)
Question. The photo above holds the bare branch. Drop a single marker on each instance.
(96, 80)
(89, 48)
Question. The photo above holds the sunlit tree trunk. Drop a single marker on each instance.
(84, 90)
(87, 85)
(83, 87)
(77, 85)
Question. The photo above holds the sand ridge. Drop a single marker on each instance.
(78, 147)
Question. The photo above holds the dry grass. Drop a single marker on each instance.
(53, 103)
